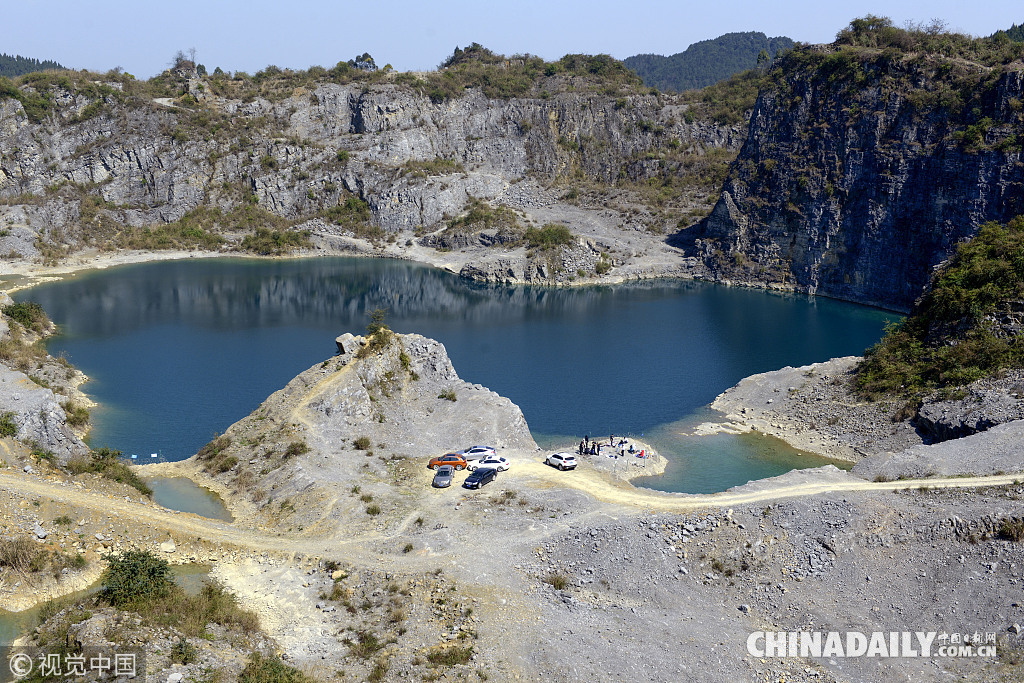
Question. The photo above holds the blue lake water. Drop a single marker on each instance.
(178, 351)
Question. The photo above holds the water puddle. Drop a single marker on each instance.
(184, 495)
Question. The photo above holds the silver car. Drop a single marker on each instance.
(443, 476)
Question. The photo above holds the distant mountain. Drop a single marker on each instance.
(706, 62)
(17, 65)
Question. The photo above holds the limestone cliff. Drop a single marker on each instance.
(865, 166)
(99, 161)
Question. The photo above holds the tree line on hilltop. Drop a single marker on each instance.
(16, 65)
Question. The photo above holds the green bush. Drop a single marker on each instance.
(448, 395)
(107, 463)
(362, 443)
(296, 448)
(29, 315)
(134, 577)
(262, 669)
(7, 426)
(77, 416)
(548, 237)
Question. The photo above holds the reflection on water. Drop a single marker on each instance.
(180, 350)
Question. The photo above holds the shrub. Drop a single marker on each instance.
(263, 669)
(184, 652)
(296, 448)
(1012, 530)
(135, 576)
(77, 416)
(557, 581)
(20, 554)
(362, 443)
(448, 395)
(373, 510)
(548, 237)
(214, 448)
(107, 463)
(365, 645)
(7, 426)
(29, 315)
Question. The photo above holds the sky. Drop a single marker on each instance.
(143, 37)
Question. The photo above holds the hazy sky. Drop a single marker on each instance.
(142, 37)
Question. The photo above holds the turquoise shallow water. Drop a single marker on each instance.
(178, 351)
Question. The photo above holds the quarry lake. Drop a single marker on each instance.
(179, 350)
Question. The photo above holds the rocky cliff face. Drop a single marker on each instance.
(863, 169)
(102, 159)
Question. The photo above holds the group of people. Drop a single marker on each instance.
(588, 447)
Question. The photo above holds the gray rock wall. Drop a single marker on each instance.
(858, 191)
(153, 161)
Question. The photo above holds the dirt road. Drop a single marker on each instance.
(592, 483)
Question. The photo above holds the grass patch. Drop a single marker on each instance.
(107, 463)
(366, 645)
(362, 443)
(448, 395)
(438, 166)
(451, 656)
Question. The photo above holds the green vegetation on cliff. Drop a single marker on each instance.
(707, 62)
(966, 326)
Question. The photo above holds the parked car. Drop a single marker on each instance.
(479, 477)
(496, 461)
(563, 461)
(443, 476)
(453, 459)
(477, 452)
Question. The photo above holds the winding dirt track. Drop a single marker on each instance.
(603, 490)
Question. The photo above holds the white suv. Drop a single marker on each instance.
(563, 461)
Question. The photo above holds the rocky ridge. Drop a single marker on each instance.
(339, 160)
(863, 169)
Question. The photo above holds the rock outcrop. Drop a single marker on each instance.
(369, 411)
(985, 404)
(862, 170)
(37, 415)
(103, 159)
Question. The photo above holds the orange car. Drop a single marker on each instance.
(453, 459)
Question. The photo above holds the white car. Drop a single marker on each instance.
(477, 452)
(563, 461)
(496, 461)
